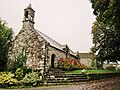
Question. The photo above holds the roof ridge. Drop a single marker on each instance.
(49, 37)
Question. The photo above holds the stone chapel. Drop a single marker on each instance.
(42, 52)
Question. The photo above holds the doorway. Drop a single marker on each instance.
(52, 61)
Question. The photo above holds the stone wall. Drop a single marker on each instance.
(58, 54)
(86, 61)
(86, 58)
(33, 43)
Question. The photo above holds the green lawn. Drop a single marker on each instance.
(90, 71)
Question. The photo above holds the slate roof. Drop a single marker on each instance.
(55, 43)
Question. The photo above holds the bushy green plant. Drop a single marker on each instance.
(111, 68)
(20, 60)
(93, 63)
(6, 79)
(31, 79)
(118, 68)
(19, 74)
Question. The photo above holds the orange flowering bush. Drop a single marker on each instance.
(70, 64)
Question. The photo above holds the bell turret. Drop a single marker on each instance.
(29, 15)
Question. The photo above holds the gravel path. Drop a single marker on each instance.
(106, 84)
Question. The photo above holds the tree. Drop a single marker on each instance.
(5, 39)
(106, 30)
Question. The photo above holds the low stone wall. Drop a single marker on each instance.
(102, 76)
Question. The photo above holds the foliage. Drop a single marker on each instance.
(93, 64)
(70, 64)
(5, 38)
(111, 68)
(31, 78)
(19, 74)
(6, 79)
(118, 68)
(20, 61)
(106, 31)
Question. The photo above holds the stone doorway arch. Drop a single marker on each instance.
(53, 61)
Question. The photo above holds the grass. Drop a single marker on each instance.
(90, 71)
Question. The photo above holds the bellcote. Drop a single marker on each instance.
(29, 15)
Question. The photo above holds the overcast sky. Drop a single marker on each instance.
(66, 21)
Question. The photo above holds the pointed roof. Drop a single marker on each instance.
(51, 41)
(29, 6)
(55, 43)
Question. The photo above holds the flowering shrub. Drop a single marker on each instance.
(70, 64)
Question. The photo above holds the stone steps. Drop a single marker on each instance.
(63, 80)
(55, 71)
(70, 75)
(57, 76)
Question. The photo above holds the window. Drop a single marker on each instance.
(26, 14)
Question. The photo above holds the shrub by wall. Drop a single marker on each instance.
(70, 64)
(7, 79)
(118, 68)
(111, 68)
(31, 79)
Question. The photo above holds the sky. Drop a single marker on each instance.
(66, 21)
